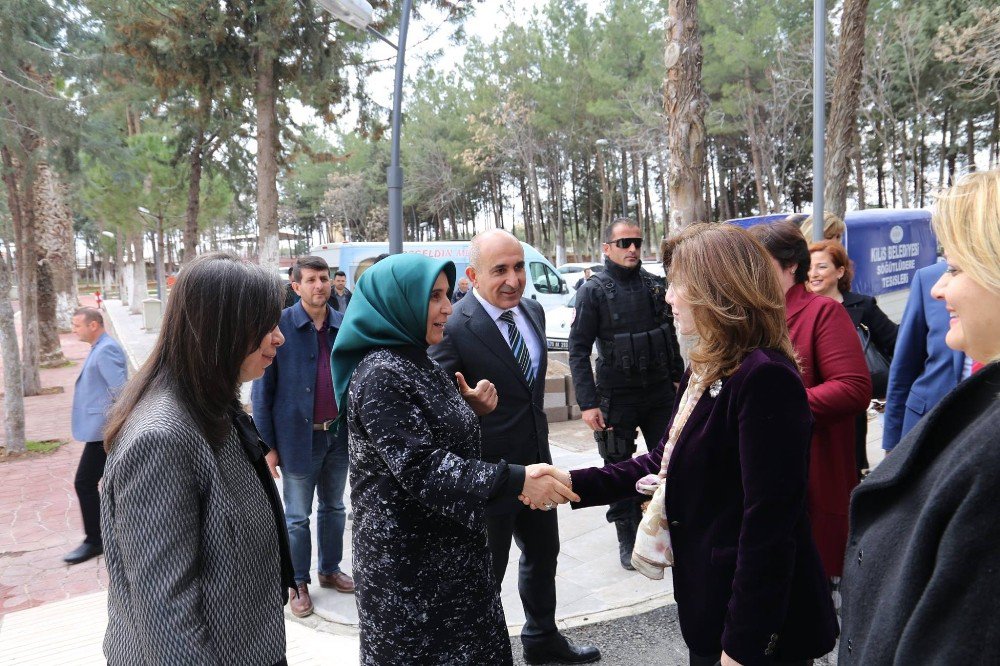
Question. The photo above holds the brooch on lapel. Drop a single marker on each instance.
(714, 389)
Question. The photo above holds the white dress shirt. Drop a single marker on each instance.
(524, 327)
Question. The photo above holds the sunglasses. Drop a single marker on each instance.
(625, 243)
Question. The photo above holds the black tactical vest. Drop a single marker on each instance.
(634, 346)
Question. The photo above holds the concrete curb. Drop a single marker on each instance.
(112, 329)
(318, 622)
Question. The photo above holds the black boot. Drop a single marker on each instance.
(626, 542)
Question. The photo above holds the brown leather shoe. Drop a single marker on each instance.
(300, 603)
(338, 581)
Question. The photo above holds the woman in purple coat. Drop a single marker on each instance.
(729, 508)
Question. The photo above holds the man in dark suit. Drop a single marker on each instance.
(495, 335)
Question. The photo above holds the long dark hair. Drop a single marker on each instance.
(785, 242)
(219, 311)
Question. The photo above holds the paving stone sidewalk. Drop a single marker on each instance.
(39, 515)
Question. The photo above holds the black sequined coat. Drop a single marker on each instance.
(425, 587)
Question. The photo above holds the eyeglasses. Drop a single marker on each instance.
(626, 243)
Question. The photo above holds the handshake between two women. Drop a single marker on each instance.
(546, 486)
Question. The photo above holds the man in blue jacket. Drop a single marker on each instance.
(103, 375)
(294, 408)
(923, 368)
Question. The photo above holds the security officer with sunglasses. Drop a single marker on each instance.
(623, 309)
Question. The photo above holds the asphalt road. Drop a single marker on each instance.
(650, 639)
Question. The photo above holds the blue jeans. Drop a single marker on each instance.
(326, 479)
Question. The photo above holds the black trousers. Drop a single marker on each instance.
(88, 474)
(648, 410)
(536, 534)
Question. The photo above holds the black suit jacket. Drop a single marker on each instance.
(516, 431)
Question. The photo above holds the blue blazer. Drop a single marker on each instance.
(283, 399)
(923, 368)
(103, 375)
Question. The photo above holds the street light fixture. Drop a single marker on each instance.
(358, 13)
(602, 143)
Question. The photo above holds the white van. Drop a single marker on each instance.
(544, 284)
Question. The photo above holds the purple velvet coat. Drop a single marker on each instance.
(747, 577)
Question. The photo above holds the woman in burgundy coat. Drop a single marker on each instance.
(749, 585)
(838, 386)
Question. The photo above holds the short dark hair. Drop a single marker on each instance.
(90, 315)
(291, 269)
(218, 312)
(784, 241)
(340, 274)
(380, 258)
(609, 230)
(312, 261)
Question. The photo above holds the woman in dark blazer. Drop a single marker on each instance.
(747, 577)
(830, 274)
(194, 534)
(922, 574)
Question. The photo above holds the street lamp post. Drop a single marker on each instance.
(358, 13)
(819, 114)
(605, 143)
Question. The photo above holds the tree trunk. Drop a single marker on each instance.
(661, 170)
(535, 194)
(557, 194)
(194, 197)
(55, 237)
(648, 202)
(943, 155)
(50, 352)
(970, 143)
(841, 130)
(22, 209)
(265, 97)
(139, 292)
(684, 104)
(607, 199)
(859, 173)
(13, 400)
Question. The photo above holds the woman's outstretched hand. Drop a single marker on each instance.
(546, 486)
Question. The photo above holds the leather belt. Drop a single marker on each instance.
(325, 425)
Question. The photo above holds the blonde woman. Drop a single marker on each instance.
(922, 572)
(732, 472)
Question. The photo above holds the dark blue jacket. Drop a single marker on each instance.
(923, 368)
(283, 399)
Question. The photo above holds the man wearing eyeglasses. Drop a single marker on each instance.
(623, 309)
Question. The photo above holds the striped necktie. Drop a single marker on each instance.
(518, 346)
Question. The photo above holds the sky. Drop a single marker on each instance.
(431, 42)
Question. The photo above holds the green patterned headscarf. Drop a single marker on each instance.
(388, 309)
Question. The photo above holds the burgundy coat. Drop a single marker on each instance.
(747, 577)
(839, 388)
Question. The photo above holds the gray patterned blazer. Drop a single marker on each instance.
(191, 547)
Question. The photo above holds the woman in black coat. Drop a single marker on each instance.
(922, 573)
(830, 275)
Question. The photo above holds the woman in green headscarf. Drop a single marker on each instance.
(425, 586)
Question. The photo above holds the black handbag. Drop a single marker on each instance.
(878, 364)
